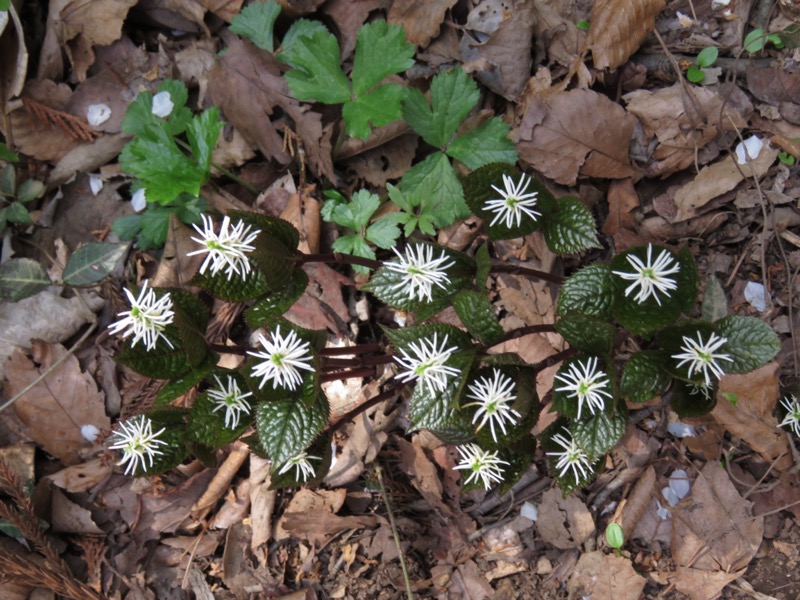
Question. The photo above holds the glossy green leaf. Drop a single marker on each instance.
(162, 362)
(178, 386)
(92, 262)
(191, 322)
(751, 343)
(487, 143)
(287, 427)
(643, 376)
(439, 413)
(208, 427)
(587, 333)
(20, 278)
(235, 289)
(477, 314)
(568, 226)
(599, 433)
(269, 308)
(589, 291)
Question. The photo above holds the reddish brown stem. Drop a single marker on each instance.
(518, 270)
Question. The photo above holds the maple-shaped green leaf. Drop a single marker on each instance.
(256, 21)
(751, 343)
(391, 287)
(435, 178)
(139, 119)
(600, 432)
(379, 107)
(383, 233)
(643, 376)
(269, 309)
(299, 29)
(287, 427)
(381, 50)
(317, 76)
(487, 143)
(202, 133)
(568, 226)
(92, 262)
(587, 333)
(453, 95)
(355, 214)
(416, 211)
(477, 314)
(22, 277)
(589, 291)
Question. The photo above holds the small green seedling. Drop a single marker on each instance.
(756, 40)
(786, 158)
(706, 58)
(615, 537)
(583, 25)
(12, 197)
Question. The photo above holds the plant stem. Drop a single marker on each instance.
(395, 535)
(346, 374)
(341, 259)
(518, 270)
(522, 331)
(556, 358)
(395, 389)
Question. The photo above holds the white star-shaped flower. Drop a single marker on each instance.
(426, 363)
(572, 458)
(420, 271)
(651, 277)
(283, 359)
(701, 356)
(138, 443)
(792, 418)
(302, 465)
(230, 398)
(586, 383)
(513, 203)
(481, 464)
(493, 397)
(227, 249)
(147, 318)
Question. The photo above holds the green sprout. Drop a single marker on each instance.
(706, 58)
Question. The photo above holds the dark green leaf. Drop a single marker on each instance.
(690, 400)
(20, 278)
(453, 95)
(600, 432)
(378, 107)
(274, 259)
(31, 189)
(8, 180)
(237, 289)
(402, 338)
(256, 21)
(92, 262)
(589, 291)
(439, 413)
(191, 321)
(392, 287)
(715, 304)
(269, 308)
(17, 213)
(178, 386)
(435, 177)
(155, 226)
(5, 152)
(751, 343)
(381, 50)
(487, 143)
(173, 452)
(483, 264)
(287, 427)
(317, 75)
(477, 314)
(587, 333)
(162, 362)
(283, 230)
(208, 427)
(643, 376)
(568, 226)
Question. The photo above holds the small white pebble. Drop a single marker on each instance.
(139, 200)
(97, 114)
(529, 511)
(162, 105)
(681, 430)
(752, 146)
(95, 184)
(716, 4)
(89, 432)
(756, 295)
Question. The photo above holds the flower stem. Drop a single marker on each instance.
(340, 259)
(522, 331)
(346, 374)
(535, 273)
(393, 390)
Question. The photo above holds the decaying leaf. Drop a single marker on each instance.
(622, 200)
(565, 135)
(564, 522)
(714, 528)
(605, 577)
(557, 31)
(421, 20)
(57, 407)
(618, 29)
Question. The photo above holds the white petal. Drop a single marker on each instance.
(95, 184)
(162, 104)
(89, 432)
(97, 114)
(139, 200)
(755, 294)
(752, 146)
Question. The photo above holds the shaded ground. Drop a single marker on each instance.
(653, 157)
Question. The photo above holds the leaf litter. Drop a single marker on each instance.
(654, 157)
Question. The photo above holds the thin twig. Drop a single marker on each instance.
(393, 525)
(535, 273)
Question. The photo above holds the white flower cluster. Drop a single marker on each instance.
(426, 363)
(572, 458)
(147, 319)
(586, 383)
(792, 418)
(420, 271)
(227, 249)
(283, 358)
(651, 277)
(494, 397)
(702, 356)
(138, 444)
(480, 464)
(513, 203)
(302, 464)
(230, 398)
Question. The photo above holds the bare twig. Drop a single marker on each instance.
(393, 524)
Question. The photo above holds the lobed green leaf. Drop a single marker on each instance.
(317, 76)
(487, 143)
(435, 178)
(256, 22)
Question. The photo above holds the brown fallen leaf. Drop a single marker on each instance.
(569, 134)
(303, 211)
(605, 577)
(67, 517)
(714, 529)
(421, 20)
(557, 29)
(56, 408)
(564, 522)
(622, 200)
(635, 505)
(751, 419)
(699, 584)
(349, 16)
(618, 29)
(82, 477)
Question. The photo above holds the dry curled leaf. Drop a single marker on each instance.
(618, 29)
(564, 522)
(421, 20)
(605, 577)
(565, 135)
